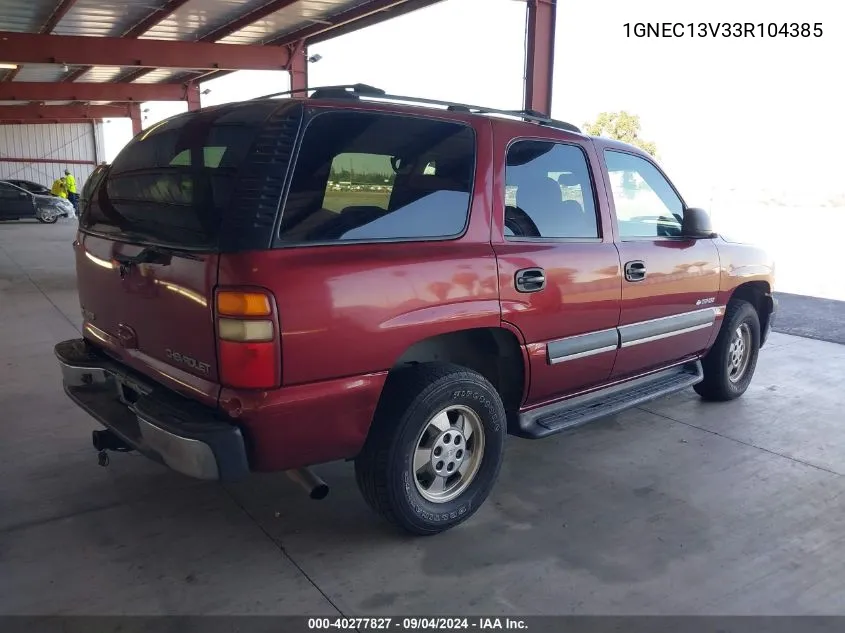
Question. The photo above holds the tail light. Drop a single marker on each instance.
(248, 340)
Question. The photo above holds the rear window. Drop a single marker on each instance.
(363, 176)
(91, 183)
(174, 182)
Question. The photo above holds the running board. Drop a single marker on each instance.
(579, 410)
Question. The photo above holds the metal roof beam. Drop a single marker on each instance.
(227, 29)
(137, 30)
(245, 20)
(26, 48)
(35, 112)
(154, 18)
(49, 91)
(58, 13)
(42, 121)
(360, 17)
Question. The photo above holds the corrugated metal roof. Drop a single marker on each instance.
(41, 72)
(199, 17)
(101, 74)
(25, 16)
(287, 20)
(161, 74)
(194, 20)
(104, 18)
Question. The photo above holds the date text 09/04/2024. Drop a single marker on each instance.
(723, 29)
(418, 624)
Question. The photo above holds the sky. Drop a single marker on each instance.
(725, 113)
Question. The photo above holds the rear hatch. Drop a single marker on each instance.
(155, 223)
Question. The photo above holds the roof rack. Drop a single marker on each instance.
(356, 91)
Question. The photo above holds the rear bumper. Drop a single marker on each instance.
(165, 427)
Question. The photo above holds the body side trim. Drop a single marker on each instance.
(666, 326)
(592, 343)
(582, 345)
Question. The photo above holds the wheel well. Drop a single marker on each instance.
(494, 353)
(758, 294)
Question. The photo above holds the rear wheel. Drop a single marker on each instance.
(729, 365)
(435, 447)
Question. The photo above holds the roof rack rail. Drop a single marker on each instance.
(350, 91)
(526, 115)
(356, 91)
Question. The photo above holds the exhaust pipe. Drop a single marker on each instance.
(108, 441)
(310, 482)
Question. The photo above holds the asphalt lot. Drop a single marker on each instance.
(679, 507)
(813, 317)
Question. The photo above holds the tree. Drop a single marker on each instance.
(622, 127)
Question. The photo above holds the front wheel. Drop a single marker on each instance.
(435, 447)
(47, 216)
(730, 363)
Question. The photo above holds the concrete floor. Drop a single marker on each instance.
(679, 507)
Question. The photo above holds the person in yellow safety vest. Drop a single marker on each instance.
(59, 187)
(72, 195)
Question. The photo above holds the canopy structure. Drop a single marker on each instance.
(81, 60)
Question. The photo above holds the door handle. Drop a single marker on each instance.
(530, 279)
(635, 270)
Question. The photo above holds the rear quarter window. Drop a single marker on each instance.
(365, 176)
(174, 182)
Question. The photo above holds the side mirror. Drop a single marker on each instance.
(697, 224)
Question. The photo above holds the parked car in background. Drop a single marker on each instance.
(514, 276)
(31, 187)
(17, 204)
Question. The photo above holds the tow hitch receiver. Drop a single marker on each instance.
(107, 441)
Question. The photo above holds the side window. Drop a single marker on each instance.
(371, 176)
(7, 191)
(646, 205)
(359, 179)
(548, 192)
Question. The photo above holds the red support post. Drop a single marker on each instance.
(540, 55)
(298, 66)
(192, 96)
(135, 116)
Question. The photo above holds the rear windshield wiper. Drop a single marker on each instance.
(153, 255)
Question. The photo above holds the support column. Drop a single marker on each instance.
(192, 96)
(135, 116)
(298, 67)
(539, 55)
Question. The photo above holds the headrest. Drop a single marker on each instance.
(569, 179)
(537, 191)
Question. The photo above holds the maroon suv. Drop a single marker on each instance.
(279, 283)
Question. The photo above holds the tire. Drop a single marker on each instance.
(723, 379)
(410, 416)
(48, 220)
